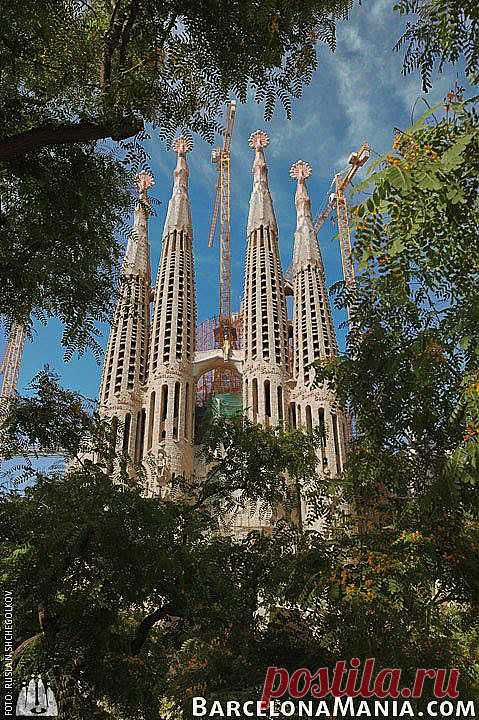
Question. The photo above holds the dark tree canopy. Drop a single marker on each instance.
(80, 71)
(74, 73)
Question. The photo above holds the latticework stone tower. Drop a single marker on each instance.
(265, 321)
(125, 366)
(169, 397)
(313, 333)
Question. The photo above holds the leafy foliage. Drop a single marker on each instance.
(445, 31)
(59, 257)
(168, 64)
(411, 379)
(120, 602)
(130, 605)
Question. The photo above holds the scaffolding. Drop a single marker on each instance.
(221, 381)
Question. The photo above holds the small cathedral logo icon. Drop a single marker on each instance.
(36, 699)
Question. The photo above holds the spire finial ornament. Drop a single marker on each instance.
(182, 145)
(300, 170)
(143, 181)
(258, 140)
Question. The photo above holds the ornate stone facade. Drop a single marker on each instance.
(151, 369)
(314, 339)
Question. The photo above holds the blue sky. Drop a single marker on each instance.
(358, 93)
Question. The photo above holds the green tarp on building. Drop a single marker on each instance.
(225, 405)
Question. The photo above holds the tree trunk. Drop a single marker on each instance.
(65, 134)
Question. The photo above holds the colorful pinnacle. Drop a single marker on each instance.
(144, 180)
(182, 145)
(258, 140)
(300, 170)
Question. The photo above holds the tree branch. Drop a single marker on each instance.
(20, 649)
(148, 622)
(65, 134)
(112, 38)
(126, 31)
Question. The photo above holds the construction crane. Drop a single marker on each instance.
(221, 158)
(337, 200)
(10, 365)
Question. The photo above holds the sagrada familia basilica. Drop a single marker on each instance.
(153, 365)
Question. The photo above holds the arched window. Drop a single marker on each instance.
(187, 410)
(126, 434)
(176, 410)
(255, 399)
(280, 404)
(267, 398)
(151, 419)
(163, 410)
(292, 414)
(337, 451)
(140, 434)
(322, 435)
(113, 441)
(309, 419)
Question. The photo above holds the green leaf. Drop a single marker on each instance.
(396, 247)
(398, 179)
(452, 157)
(429, 181)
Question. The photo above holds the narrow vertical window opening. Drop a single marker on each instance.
(164, 410)
(280, 404)
(126, 434)
(267, 398)
(255, 399)
(151, 419)
(309, 419)
(187, 410)
(292, 414)
(140, 434)
(336, 443)
(176, 408)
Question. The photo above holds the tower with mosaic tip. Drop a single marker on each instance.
(125, 365)
(170, 395)
(314, 338)
(265, 339)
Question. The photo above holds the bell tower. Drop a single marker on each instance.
(170, 396)
(265, 321)
(125, 365)
(314, 339)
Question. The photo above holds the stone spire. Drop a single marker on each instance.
(314, 338)
(125, 366)
(137, 256)
(170, 398)
(306, 248)
(261, 212)
(265, 321)
(178, 216)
